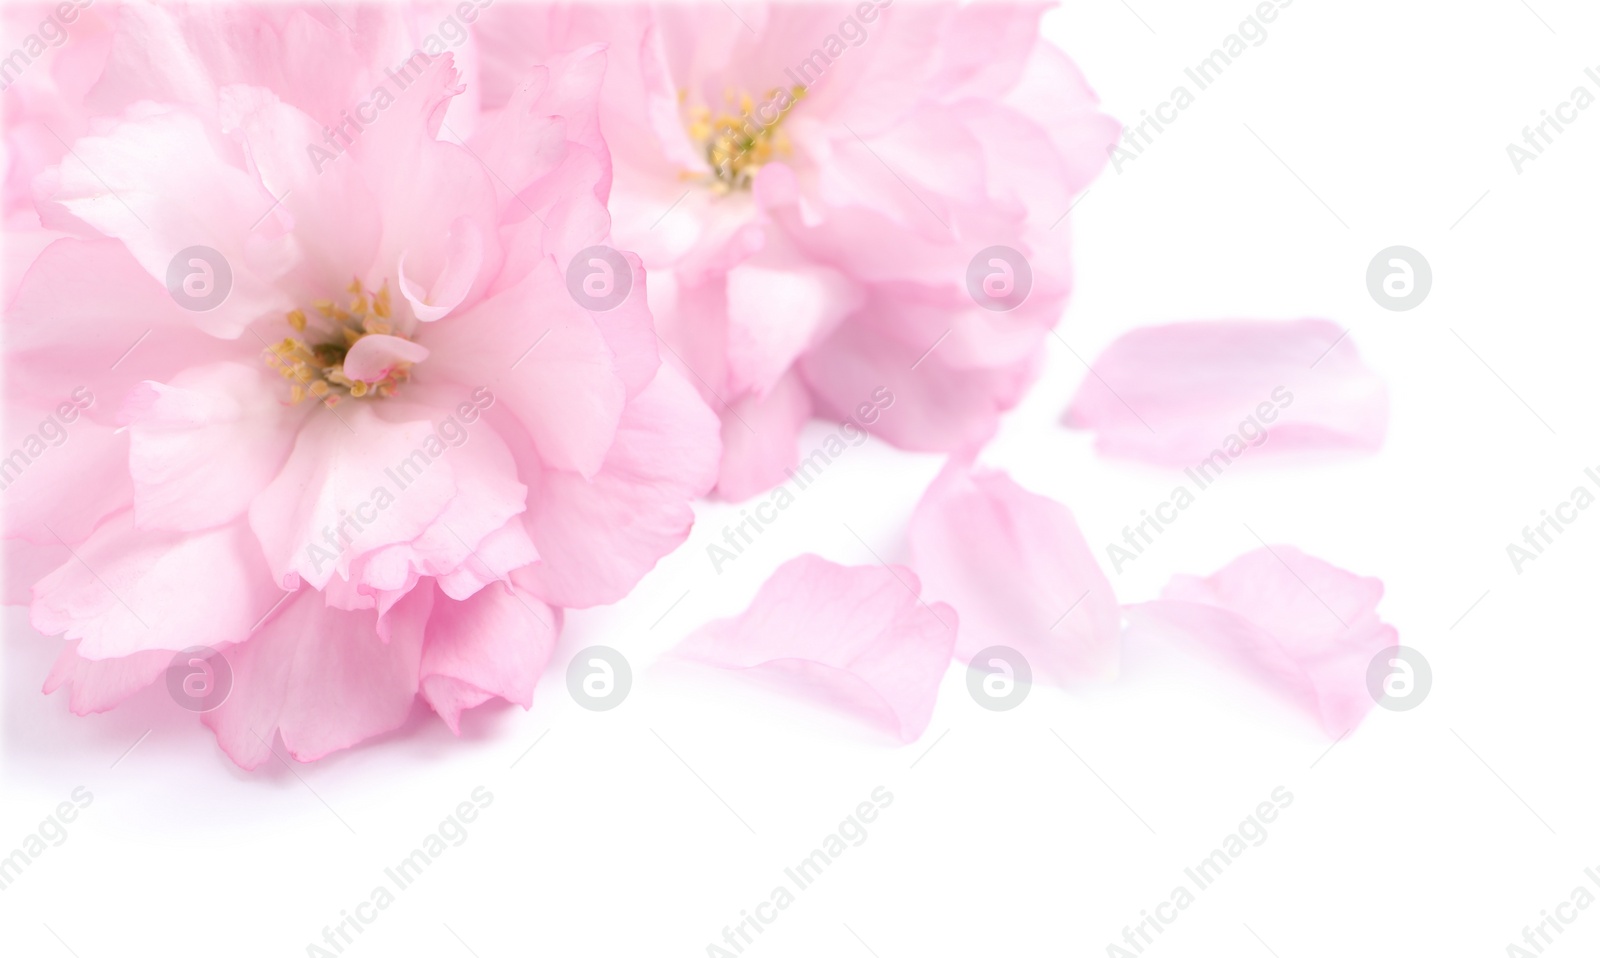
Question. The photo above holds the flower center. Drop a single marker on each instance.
(737, 144)
(314, 362)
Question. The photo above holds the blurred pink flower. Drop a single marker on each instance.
(323, 397)
(838, 199)
(1302, 626)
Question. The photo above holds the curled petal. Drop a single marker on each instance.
(859, 638)
(126, 590)
(374, 357)
(1180, 394)
(495, 643)
(97, 685)
(597, 537)
(1018, 571)
(1303, 626)
(322, 678)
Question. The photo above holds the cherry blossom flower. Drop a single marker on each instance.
(327, 402)
(834, 199)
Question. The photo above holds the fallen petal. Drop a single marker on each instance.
(1018, 572)
(1307, 628)
(1186, 393)
(857, 637)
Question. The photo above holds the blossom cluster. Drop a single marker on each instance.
(370, 338)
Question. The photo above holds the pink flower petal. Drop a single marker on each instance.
(335, 500)
(373, 357)
(204, 445)
(493, 644)
(549, 362)
(1305, 627)
(935, 408)
(597, 537)
(1184, 393)
(1018, 571)
(764, 341)
(96, 686)
(856, 637)
(126, 591)
(760, 438)
(462, 259)
(158, 182)
(322, 678)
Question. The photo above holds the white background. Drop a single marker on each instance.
(1044, 830)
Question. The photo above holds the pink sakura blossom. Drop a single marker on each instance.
(385, 457)
(811, 185)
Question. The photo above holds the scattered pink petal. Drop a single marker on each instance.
(1018, 572)
(1308, 628)
(858, 637)
(1180, 394)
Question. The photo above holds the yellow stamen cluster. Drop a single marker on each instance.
(737, 145)
(317, 370)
